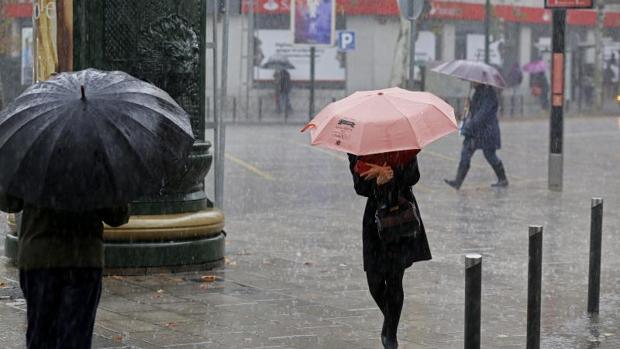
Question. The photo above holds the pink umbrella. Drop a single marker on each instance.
(472, 71)
(534, 67)
(371, 122)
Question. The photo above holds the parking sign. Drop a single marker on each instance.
(346, 40)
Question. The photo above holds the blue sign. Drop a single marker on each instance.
(346, 41)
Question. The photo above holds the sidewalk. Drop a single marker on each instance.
(293, 275)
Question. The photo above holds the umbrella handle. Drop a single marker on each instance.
(310, 125)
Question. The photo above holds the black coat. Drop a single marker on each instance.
(380, 257)
(482, 125)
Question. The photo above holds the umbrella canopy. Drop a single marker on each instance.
(91, 139)
(534, 67)
(380, 121)
(472, 71)
(278, 62)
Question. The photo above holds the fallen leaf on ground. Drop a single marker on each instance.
(118, 338)
(308, 264)
(229, 261)
(171, 325)
(3, 285)
(160, 291)
(208, 278)
(117, 277)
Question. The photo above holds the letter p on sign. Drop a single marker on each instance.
(346, 40)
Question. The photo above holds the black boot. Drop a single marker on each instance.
(389, 343)
(502, 181)
(460, 177)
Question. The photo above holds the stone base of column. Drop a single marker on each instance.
(157, 244)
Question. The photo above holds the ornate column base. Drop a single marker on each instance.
(157, 244)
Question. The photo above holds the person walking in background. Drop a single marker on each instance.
(282, 80)
(385, 260)
(481, 131)
(60, 261)
(540, 89)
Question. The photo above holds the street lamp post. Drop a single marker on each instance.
(411, 10)
(487, 32)
(412, 33)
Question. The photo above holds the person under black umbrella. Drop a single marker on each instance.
(74, 151)
(283, 86)
(481, 131)
(60, 261)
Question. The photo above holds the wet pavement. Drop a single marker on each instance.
(293, 275)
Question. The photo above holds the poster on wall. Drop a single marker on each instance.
(475, 49)
(272, 44)
(425, 47)
(313, 22)
(27, 57)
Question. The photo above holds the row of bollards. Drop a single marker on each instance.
(473, 278)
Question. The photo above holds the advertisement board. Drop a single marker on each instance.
(313, 22)
(475, 49)
(330, 65)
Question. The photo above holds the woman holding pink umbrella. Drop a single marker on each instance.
(383, 179)
(382, 131)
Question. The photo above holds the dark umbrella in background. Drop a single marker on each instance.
(91, 139)
(278, 62)
(472, 71)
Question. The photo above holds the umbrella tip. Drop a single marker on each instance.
(82, 91)
(310, 125)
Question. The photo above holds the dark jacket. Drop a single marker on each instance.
(482, 125)
(378, 256)
(61, 239)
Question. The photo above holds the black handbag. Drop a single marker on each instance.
(397, 220)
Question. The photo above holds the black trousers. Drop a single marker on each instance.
(61, 306)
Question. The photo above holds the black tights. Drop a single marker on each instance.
(387, 291)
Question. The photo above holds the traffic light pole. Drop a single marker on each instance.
(556, 129)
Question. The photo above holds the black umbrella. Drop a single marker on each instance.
(91, 139)
(277, 62)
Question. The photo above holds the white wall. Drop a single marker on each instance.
(369, 66)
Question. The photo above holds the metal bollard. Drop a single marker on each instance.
(594, 276)
(473, 279)
(534, 285)
(260, 109)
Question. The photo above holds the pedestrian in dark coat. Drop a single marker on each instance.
(481, 131)
(385, 263)
(60, 261)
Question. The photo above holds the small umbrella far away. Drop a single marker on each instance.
(91, 139)
(534, 67)
(380, 121)
(278, 61)
(472, 71)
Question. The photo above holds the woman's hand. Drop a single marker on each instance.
(382, 174)
(385, 176)
(373, 173)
